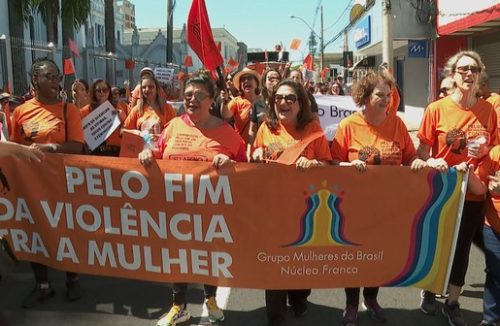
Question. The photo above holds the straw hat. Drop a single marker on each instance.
(246, 71)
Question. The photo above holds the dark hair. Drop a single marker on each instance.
(93, 99)
(203, 80)
(305, 114)
(158, 98)
(265, 92)
(363, 88)
(340, 87)
(36, 68)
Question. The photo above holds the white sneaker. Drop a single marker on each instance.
(177, 314)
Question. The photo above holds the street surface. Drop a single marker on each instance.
(114, 301)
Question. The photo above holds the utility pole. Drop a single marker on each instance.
(322, 45)
(170, 30)
(387, 48)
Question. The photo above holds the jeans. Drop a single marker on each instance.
(491, 296)
(179, 291)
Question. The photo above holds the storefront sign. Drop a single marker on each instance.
(362, 32)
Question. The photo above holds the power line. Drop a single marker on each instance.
(349, 6)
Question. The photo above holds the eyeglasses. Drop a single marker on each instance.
(465, 69)
(102, 90)
(51, 77)
(198, 96)
(289, 99)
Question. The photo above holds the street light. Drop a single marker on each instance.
(321, 46)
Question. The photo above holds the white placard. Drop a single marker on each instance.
(332, 109)
(165, 75)
(100, 124)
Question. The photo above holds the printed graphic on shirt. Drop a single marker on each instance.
(370, 155)
(34, 128)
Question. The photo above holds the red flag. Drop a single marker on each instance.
(73, 47)
(324, 72)
(219, 46)
(228, 69)
(308, 62)
(295, 45)
(232, 62)
(199, 36)
(181, 75)
(129, 64)
(259, 67)
(188, 61)
(69, 67)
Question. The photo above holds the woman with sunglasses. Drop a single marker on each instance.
(51, 125)
(289, 121)
(373, 136)
(197, 135)
(100, 92)
(152, 113)
(458, 128)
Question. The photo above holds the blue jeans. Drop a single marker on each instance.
(491, 296)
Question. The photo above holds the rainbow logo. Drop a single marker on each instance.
(431, 232)
(323, 222)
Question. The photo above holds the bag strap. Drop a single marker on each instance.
(65, 114)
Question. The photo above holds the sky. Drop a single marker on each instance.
(258, 23)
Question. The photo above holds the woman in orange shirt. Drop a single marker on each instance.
(372, 137)
(197, 135)
(458, 128)
(290, 121)
(80, 93)
(47, 123)
(100, 92)
(151, 114)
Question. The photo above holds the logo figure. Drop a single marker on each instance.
(323, 222)
(457, 140)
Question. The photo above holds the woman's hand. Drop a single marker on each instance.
(417, 165)
(438, 164)
(462, 167)
(494, 185)
(221, 160)
(303, 163)
(477, 150)
(146, 157)
(257, 155)
(30, 153)
(359, 165)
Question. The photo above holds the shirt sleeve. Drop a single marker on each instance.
(340, 149)
(131, 121)
(427, 131)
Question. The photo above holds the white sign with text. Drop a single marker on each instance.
(100, 124)
(332, 109)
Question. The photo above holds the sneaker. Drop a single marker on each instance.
(350, 316)
(485, 323)
(299, 308)
(73, 290)
(215, 314)
(428, 302)
(177, 314)
(38, 294)
(442, 296)
(453, 314)
(374, 309)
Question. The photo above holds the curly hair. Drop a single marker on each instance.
(305, 114)
(36, 68)
(364, 87)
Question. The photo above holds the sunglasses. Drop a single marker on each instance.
(289, 99)
(198, 96)
(444, 89)
(465, 69)
(51, 77)
(102, 90)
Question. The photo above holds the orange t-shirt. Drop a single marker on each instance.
(181, 140)
(34, 122)
(115, 138)
(447, 128)
(490, 165)
(275, 142)
(385, 144)
(241, 108)
(494, 99)
(150, 119)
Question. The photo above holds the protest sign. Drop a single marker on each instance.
(332, 109)
(179, 221)
(99, 124)
(165, 75)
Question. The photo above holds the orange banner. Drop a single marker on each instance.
(251, 225)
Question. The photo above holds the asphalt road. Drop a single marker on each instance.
(114, 301)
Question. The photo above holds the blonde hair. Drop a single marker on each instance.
(451, 64)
